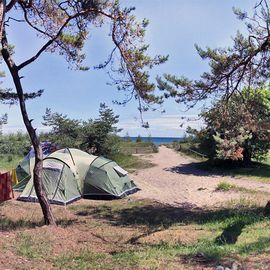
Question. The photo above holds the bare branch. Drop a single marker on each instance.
(44, 47)
(10, 5)
(14, 19)
(58, 34)
(259, 4)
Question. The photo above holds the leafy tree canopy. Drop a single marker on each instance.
(64, 26)
(14, 144)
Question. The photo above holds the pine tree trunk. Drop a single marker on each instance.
(246, 157)
(2, 16)
(38, 184)
(45, 206)
(267, 209)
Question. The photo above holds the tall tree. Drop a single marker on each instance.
(246, 63)
(91, 135)
(64, 26)
(3, 120)
(65, 132)
(95, 134)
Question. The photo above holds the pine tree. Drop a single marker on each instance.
(64, 27)
(246, 63)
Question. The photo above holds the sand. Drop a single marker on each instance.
(175, 180)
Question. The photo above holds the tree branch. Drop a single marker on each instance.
(53, 39)
(10, 5)
(14, 19)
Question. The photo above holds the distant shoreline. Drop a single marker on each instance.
(156, 140)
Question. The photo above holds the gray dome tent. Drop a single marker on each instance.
(69, 174)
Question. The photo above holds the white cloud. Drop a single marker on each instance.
(163, 126)
(168, 125)
(6, 129)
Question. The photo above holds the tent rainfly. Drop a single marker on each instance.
(24, 168)
(69, 174)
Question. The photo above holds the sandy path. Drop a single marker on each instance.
(176, 181)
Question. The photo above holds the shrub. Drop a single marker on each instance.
(225, 186)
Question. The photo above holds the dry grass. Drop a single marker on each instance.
(132, 234)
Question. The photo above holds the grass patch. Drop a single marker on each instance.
(143, 258)
(85, 259)
(25, 246)
(150, 257)
(8, 162)
(267, 160)
(190, 149)
(9, 225)
(108, 208)
(130, 162)
(157, 216)
(251, 238)
(237, 230)
(129, 148)
(257, 171)
(260, 171)
(225, 186)
(163, 255)
(33, 247)
(146, 257)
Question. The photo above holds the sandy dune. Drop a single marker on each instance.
(175, 180)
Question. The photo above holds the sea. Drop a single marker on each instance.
(157, 140)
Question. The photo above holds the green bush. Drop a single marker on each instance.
(139, 139)
(14, 144)
(136, 147)
(225, 186)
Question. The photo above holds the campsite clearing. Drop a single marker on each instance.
(131, 234)
(164, 231)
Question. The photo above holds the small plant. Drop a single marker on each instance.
(25, 246)
(33, 247)
(84, 259)
(130, 162)
(225, 186)
(155, 148)
(139, 139)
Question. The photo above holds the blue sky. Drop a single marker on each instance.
(175, 26)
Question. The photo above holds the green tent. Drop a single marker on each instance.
(25, 167)
(69, 174)
(23, 172)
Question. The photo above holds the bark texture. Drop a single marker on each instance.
(38, 184)
(2, 16)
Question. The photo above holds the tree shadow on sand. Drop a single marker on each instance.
(156, 217)
(7, 225)
(159, 216)
(191, 169)
(207, 169)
